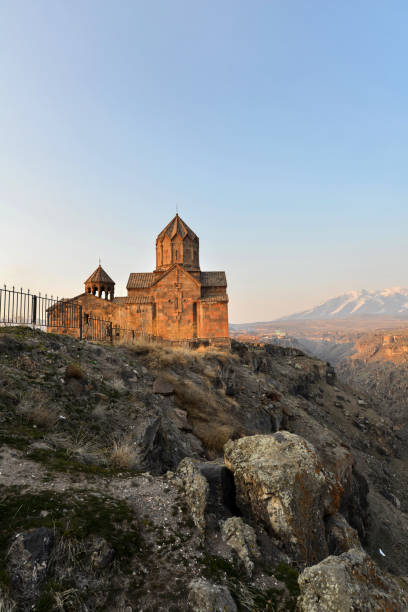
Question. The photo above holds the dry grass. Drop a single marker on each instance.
(68, 600)
(123, 453)
(69, 551)
(36, 413)
(118, 385)
(215, 436)
(160, 356)
(81, 446)
(6, 604)
(210, 415)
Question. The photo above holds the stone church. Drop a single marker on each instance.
(177, 301)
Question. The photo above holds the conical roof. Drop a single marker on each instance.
(177, 226)
(100, 276)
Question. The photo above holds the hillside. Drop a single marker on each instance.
(149, 478)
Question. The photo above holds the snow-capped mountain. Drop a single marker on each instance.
(385, 303)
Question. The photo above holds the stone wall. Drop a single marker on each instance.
(213, 320)
(176, 296)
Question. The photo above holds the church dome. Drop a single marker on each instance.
(177, 227)
(177, 243)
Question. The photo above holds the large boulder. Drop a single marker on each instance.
(348, 583)
(207, 597)
(280, 481)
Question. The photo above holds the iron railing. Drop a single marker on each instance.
(18, 307)
(25, 308)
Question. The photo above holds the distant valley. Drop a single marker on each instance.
(364, 335)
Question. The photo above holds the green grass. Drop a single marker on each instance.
(72, 515)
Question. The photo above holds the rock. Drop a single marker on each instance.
(241, 538)
(29, 560)
(207, 597)
(163, 386)
(196, 490)
(42, 445)
(280, 481)
(179, 418)
(340, 536)
(347, 583)
(100, 552)
(146, 440)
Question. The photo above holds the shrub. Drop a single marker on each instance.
(118, 385)
(123, 454)
(74, 371)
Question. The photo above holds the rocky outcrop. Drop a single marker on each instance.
(207, 597)
(242, 539)
(281, 482)
(347, 583)
(196, 490)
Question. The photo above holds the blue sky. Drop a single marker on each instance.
(280, 129)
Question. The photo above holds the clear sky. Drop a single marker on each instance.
(279, 127)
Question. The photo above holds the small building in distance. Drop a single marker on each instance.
(176, 302)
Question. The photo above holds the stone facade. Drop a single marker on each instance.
(176, 302)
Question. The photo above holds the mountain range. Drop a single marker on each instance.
(383, 303)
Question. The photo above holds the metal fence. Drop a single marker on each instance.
(25, 308)
(18, 307)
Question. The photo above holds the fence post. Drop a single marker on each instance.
(80, 321)
(111, 332)
(34, 310)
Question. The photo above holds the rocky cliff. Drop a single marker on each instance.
(148, 478)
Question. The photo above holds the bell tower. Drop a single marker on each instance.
(177, 243)
(100, 284)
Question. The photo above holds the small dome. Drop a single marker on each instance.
(100, 276)
(100, 283)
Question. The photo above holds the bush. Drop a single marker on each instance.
(74, 371)
(123, 454)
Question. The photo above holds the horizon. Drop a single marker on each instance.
(278, 131)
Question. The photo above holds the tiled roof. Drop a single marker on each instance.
(134, 299)
(99, 276)
(177, 226)
(141, 280)
(215, 298)
(213, 279)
